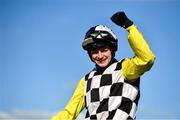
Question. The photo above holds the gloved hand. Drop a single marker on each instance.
(121, 19)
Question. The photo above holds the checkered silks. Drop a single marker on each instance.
(109, 96)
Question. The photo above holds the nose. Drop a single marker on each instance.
(100, 55)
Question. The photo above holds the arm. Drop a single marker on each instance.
(74, 106)
(144, 58)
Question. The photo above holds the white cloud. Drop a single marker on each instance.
(25, 115)
(17, 114)
(143, 114)
(155, 113)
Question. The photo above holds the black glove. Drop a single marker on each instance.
(121, 19)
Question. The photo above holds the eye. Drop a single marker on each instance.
(94, 51)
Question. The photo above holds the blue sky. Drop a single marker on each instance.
(41, 58)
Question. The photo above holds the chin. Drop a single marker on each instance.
(102, 65)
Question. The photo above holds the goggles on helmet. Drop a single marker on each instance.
(100, 35)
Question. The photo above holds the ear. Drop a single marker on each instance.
(90, 56)
(113, 53)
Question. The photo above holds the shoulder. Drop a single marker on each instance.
(90, 74)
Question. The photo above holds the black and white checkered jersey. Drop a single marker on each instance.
(109, 96)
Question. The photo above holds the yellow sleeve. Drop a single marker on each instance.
(74, 106)
(144, 58)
